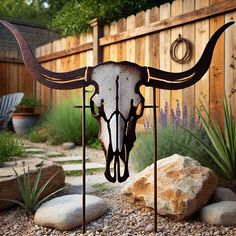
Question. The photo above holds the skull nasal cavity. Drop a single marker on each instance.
(117, 129)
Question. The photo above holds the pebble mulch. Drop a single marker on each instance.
(122, 219)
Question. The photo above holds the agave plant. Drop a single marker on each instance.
(31, 192)
(222, 146)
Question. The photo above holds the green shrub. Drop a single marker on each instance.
(10, 145)
(28, 101)
(73, 16)
(38, 134)
(168, 139)
(171, 138)
(222, 148)
(31, 191)
(94, 143)
(63, 123)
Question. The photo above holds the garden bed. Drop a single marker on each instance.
(123, 218)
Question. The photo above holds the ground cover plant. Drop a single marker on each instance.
(10, 145)
(171, 139)
(63, 123)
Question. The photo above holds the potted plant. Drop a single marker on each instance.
(28, 105)
(25, 116)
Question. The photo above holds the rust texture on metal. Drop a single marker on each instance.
(117, 98)
(115, 105)
(155, 157)
(83, 159)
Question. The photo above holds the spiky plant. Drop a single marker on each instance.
(31, 191)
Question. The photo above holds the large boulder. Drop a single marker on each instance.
(65, 213)
(220, 213)
(8, 182)
(183, 186)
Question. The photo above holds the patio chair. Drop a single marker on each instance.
(8, 105)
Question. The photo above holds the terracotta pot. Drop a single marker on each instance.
(25, 110)
(22, 122)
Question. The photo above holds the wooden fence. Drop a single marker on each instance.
(145, 39)
(13, 75)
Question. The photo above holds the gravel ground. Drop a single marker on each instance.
(122, 219)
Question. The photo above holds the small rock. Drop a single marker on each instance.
(38, 233)
(72, 234)
(15, 227)
(223, 194)
(65, 213)
(149, 228)
(221, 213)
(105, 228)
(68, 145)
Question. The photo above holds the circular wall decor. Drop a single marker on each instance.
(188, 50)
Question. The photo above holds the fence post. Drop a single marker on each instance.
(97, 34)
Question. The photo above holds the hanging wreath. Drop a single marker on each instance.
(174, 47)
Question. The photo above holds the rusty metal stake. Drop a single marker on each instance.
(155, 157)
(83, 156)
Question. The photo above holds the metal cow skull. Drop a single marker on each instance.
(117, 98)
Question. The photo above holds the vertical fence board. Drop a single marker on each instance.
(189, 33)
(139, 52)
(121, 27)
(201, 39)
(130, 44)
(147, 58)
(154, 14)
(230, 61)
(164, 54)
(217, 70)
(113, 47)
(36, 84)
(46, 92)
(25, 81)
(153, 60)
(106, 49)
(176, 95)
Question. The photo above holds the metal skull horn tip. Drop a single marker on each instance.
(117, 97)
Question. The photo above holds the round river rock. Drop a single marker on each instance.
(65, 213)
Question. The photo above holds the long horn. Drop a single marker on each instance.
(67, 80)
(171, 81)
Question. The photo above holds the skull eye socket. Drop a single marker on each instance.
(94, 109)
(139, 111)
